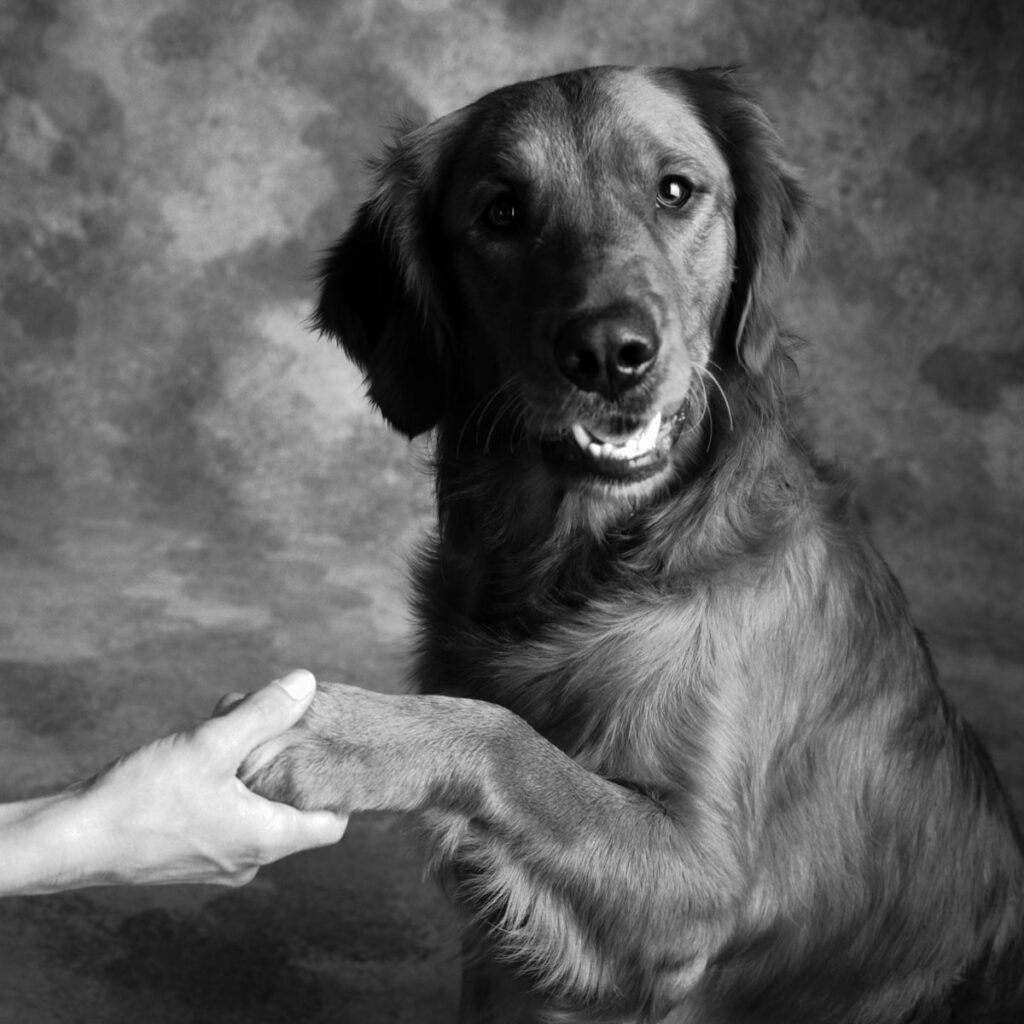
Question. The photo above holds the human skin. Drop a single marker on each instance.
(173, 811)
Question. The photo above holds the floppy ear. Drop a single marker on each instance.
(379, 284)
(769, 210)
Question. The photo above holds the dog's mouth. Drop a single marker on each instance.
(626, 450)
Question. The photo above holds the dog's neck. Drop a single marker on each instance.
(513, 539)
(517, 542)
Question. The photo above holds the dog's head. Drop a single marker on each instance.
(561, 266)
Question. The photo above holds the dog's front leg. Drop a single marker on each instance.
(360, 750)
(602, 900)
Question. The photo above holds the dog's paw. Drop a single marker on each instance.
(292, 769)
(353, 750)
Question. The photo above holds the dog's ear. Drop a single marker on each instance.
(770, 204)
(379, 284)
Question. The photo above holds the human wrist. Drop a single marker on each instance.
(52, 844)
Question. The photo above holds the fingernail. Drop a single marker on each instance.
(298, 684)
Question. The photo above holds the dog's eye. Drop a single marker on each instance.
(503, 213)
(674, 192)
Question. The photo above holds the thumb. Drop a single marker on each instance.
(264, 714)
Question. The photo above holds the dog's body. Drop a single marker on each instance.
(682, 750)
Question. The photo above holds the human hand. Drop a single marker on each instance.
(179, 812)
(171, 811)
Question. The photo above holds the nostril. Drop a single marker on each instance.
(606, 353)
(583, 362)
(634, 356)
(580, 355)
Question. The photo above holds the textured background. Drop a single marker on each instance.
(193, 496)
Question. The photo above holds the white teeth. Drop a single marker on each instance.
(640, 443)
(582, 437)
(648, 437)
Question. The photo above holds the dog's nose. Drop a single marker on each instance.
(608, 354)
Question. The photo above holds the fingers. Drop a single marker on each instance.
(227, 702)
(316, 828)
(288, 830)
(236, 879)
(260, 716)
(260, 756)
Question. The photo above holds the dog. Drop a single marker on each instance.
(679, 751)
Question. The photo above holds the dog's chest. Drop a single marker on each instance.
(600, 681)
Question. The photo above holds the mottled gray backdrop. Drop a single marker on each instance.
(193, 496)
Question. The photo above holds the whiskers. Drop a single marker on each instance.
(706, 376)
(494, 405)
(503, 415)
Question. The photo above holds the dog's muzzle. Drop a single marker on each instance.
(607, 351)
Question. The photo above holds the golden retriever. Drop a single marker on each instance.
(680, 752)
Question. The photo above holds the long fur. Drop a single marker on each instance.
(686, 757)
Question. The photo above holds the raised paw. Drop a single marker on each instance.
(357, 750)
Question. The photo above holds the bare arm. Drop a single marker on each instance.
(172, 811)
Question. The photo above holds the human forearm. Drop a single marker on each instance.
(170, 812)
(50, 844)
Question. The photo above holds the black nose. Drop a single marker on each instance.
(606, 352)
